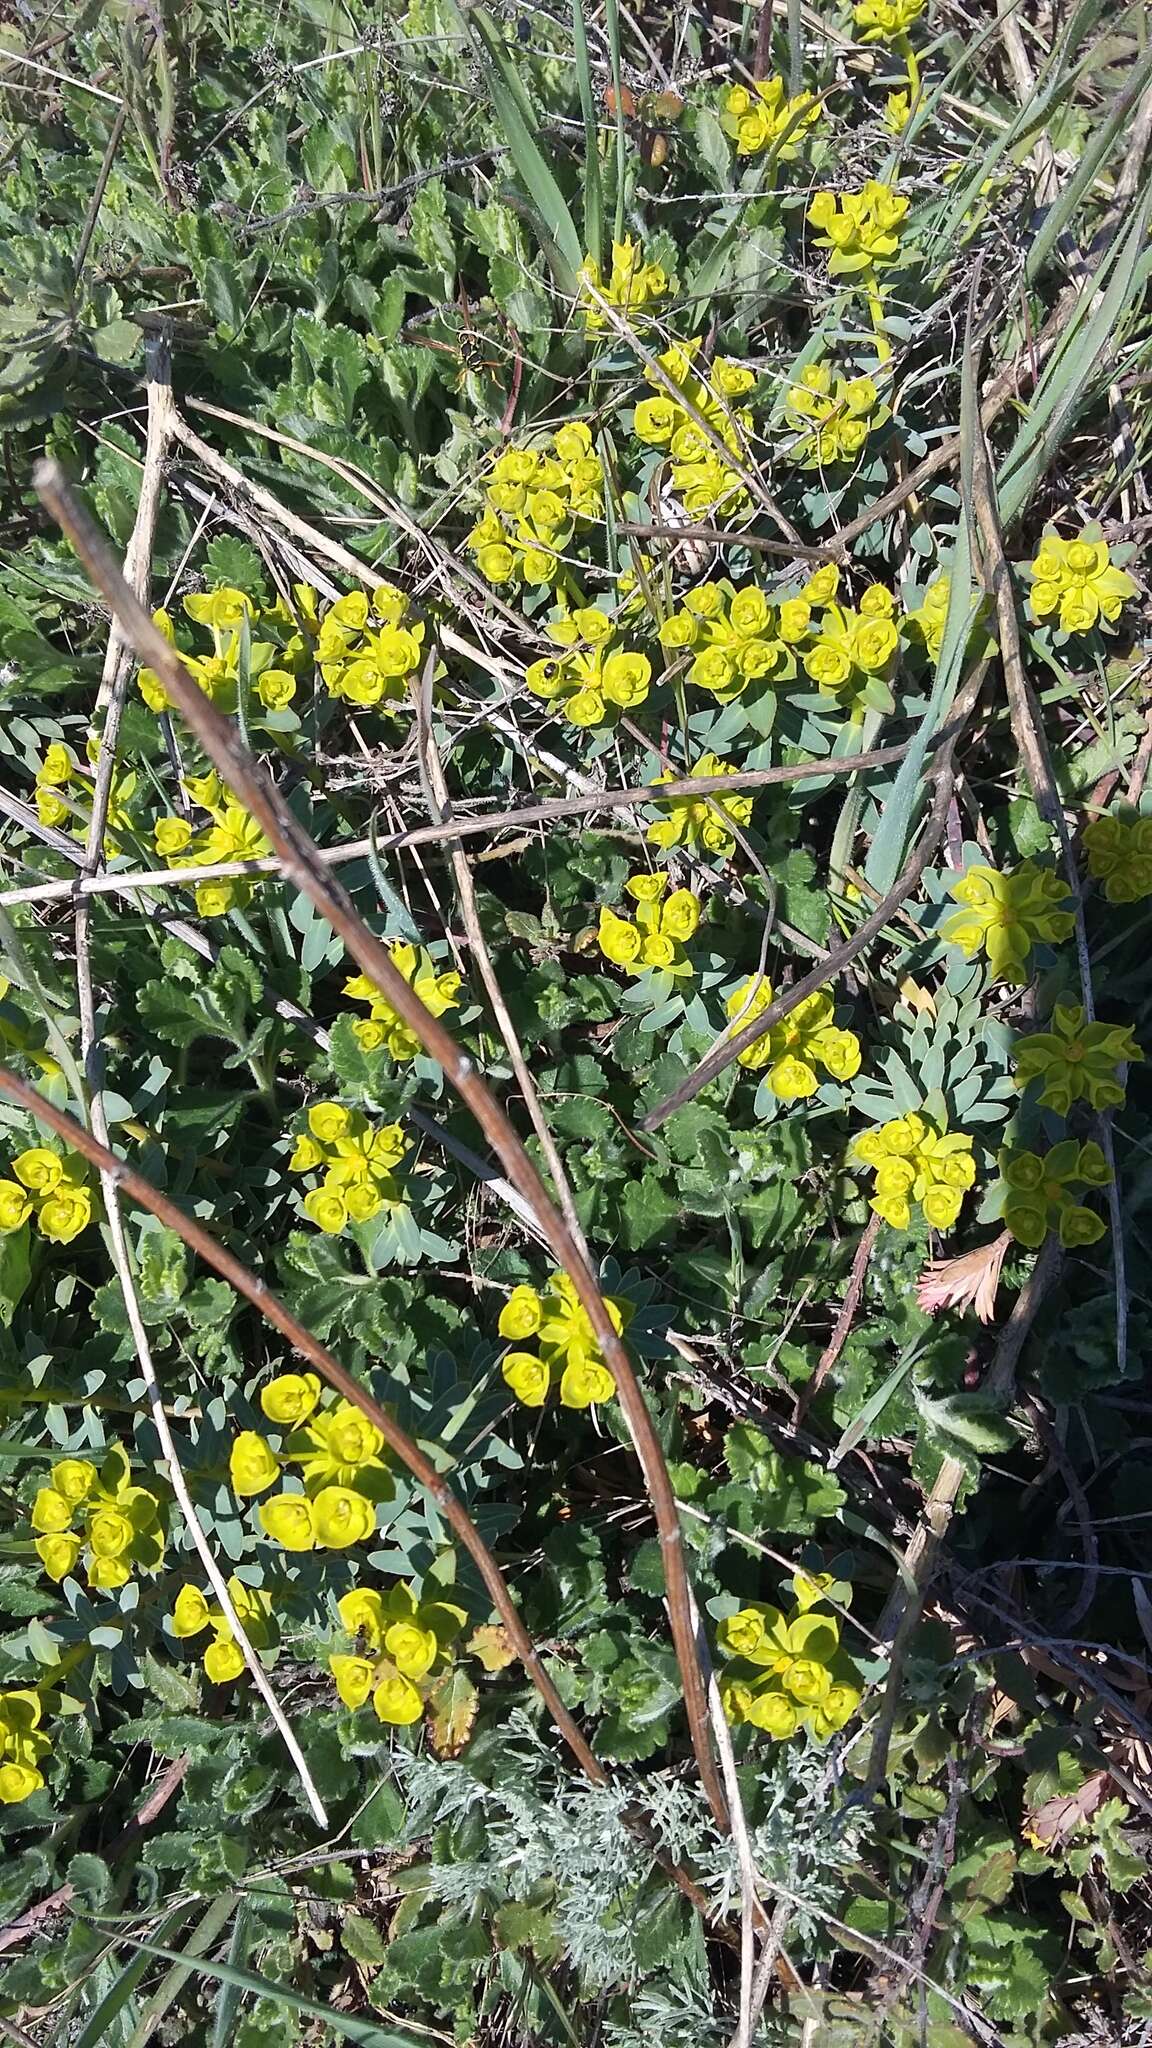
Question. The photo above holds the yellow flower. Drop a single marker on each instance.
(386, 1030)
(224, 607)
(110, 1534)
(17, 1782)
(703, 821)
(252, 1464)
(326, 1208)
(362, 1612)
(58, 1554)
(886, 21)
(861, 229)
(914, 1162)
(1076, 580)
(191, 1613)
(329, 1121)
(342, 1517)
(520, 1315)
(584, 1382)
(15, 1207)
(354, 1678)
(618, 940)
(412, 1649)
(528, 1377)
(397, 1701)
(762, 116)
(288, 1520)
(771, 1710)
(171, 836)
(223, 1659)
(793, 1049)
(39, 1170)
(276, 688)
(66, 1212)
(632, 287)
(290, 1398)
(51, 1512)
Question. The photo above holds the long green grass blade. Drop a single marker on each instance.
(1061, 388)
(612, 29)
(342, 2024)
(96, 2031)
(207, 1930)
(1096, 149)
(593, 183)
(900, 814)
(517, 118)
(228, 2003)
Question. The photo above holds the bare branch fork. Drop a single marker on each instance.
(303, 866)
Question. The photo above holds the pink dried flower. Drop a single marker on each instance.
(967, 1282)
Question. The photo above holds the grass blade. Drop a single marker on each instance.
(517, 118)
(342, 2024)
(593, 183)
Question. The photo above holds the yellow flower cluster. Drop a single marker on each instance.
(232, 835)
(22, 1744)
(1120, 857)
(833, 416)
(51, 1187)
(657, 932)
(702, 477)
(358, 1161)
(410, 1644)
(1077, 582)
(913, 1162)
(569, 1355)
(886, 21)
(368, 648)
(736, 637)
(274, 666)
(591, 680)
(534, 499)
(60, 770)
(226, 612)
(385, 1030)
(1005, 916)
(341, 1459)
(794, 1049)
(853, 652)
(932, 616)
(700, 821)
(1038, 1193)
(761, 116)
(632, 286)
(861, 229)
(788, 1671)
(99, 1512)
(223, 1659)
